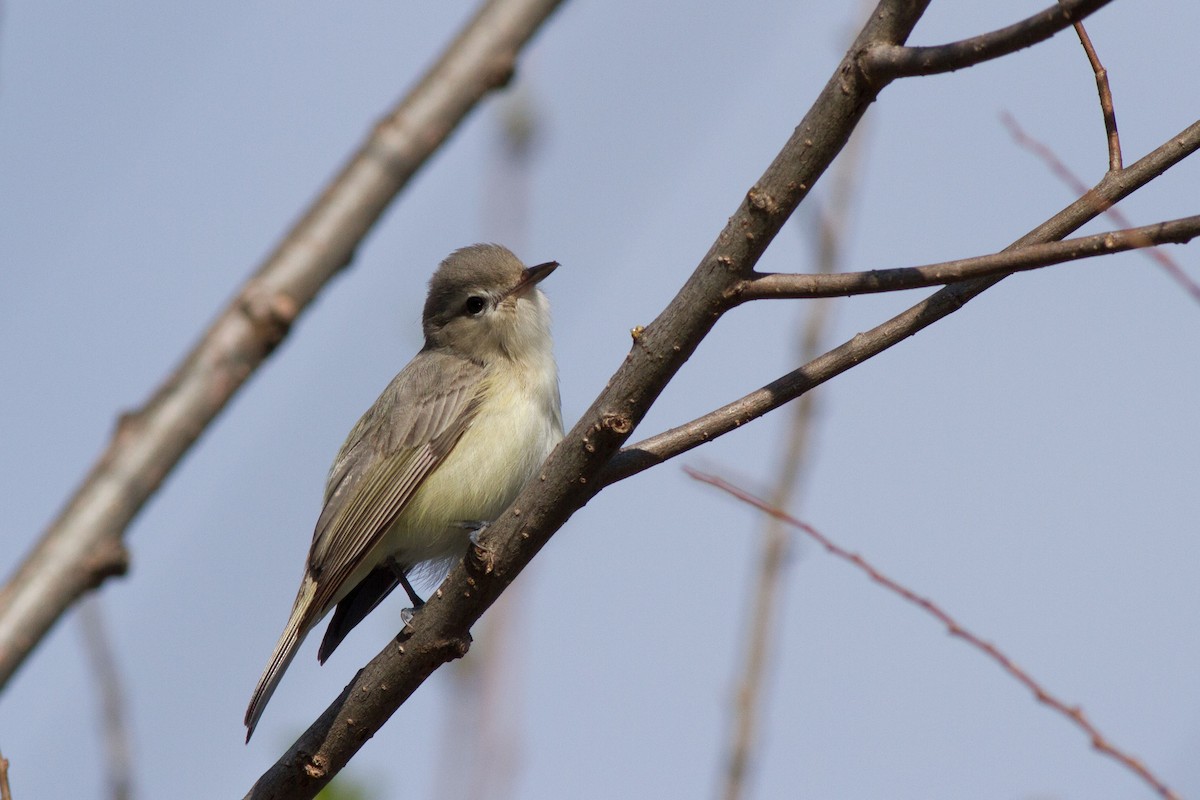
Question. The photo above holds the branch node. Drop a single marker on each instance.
(270, 313)
(316, 766)
(764, 202)
(108, 559)
(619, 424)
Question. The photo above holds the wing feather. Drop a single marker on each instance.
(413, 425)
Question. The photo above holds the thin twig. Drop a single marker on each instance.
(1064, 173)
(109, 690)
(1072, 712)
(901, 61)
(5, 791)
(777, 285)
(763, 614)
(1106, 98)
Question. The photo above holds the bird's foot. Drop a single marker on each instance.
(476, 527)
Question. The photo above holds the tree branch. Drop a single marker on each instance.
(1073, 713)
(1112, 188)
(897, 61)
(1106, 99)
(82, 547)
(439, 630)
(767, 286)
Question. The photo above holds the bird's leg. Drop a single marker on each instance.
(479, 555)
(401, 575)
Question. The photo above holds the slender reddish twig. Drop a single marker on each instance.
(1056, 165)
(1073, 713)
(1106, 98)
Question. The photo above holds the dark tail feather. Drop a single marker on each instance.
(355, 606)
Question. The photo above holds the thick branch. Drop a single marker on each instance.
(439, 630)
(766, 286)
(1112, 188)
(71, 556)
(896, 61)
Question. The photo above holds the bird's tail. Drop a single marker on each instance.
(298, 626)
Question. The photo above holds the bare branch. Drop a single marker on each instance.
(898, 61)
(766, 286)
(82, 547)
(1106, 99)
(109, 691)
(1072, 712)
(439, 630)
(1112, 188)
(1068, 177)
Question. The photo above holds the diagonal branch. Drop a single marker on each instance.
(1112, 188)
(1073, 713)
(767, 286)
(897, 61)
(83, 546)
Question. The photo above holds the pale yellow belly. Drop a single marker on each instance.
(514, 430)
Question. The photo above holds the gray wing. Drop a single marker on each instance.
(409, 430)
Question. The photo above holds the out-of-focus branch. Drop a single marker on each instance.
(5, 791)
(668, 444)
(109, 692)
(1106, 99)
(1064, 173)
(766, 286)
(763, 614)
(439, 630)
(1072, 712)
(83, 546)
(898, 61)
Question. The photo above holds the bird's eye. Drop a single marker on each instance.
(475, 305)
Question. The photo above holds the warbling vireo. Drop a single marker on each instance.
(446, 447)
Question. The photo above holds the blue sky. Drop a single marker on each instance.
(1030, 462)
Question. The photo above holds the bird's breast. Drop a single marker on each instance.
(516, 425)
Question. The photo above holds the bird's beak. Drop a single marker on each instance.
(532, 276)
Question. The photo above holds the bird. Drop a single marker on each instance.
(445, 449)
